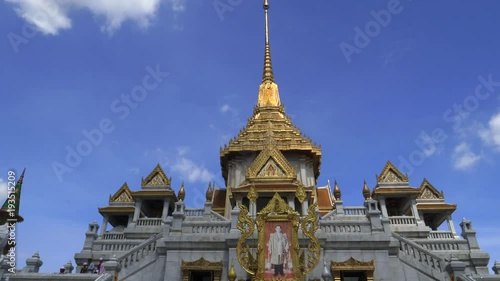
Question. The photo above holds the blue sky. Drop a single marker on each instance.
(416, 89)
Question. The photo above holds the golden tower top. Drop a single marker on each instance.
(268, 90)
(268, 122)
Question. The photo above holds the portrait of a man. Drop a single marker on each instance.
(278, 260)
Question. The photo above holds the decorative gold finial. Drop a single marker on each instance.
(182, 193)
(210, 192)
(231, 275)
(366, 191)
(336, 191)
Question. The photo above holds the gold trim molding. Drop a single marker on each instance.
(203, 265)
(352, 265)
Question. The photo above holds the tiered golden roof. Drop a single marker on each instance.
(269, 114)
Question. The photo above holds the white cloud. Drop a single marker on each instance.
(52, 16)
(428, 145)
(491, 134)
(190, 171)
(225, 108)
(183, 150)
(134, 170)
(463, 157)
(181, 164)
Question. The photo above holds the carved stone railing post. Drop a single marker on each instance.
(234, 219)
(179, 217)
(33, 264)
(455, 267)
(68, 267)
(112, 266)
(496, 268)
(373, 214)
(90, 236)
(339, 207)
(469, 234)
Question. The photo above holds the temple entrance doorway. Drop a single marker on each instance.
(199, 275)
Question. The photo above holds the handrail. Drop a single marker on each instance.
(408, 241)
(143, 247)
(198, 212)
(414, 246)
(106, 276)
(219, 216)
(329, 216)
(355, 211)
(463, 277)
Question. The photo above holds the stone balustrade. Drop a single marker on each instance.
(139, 252)
(214, 227)
(403, 220)
(441, 246)
(341, 227)
(419, 254)
(113, 236)
(194, 212)
(115, 245)
(149, 222)
(355, 211)
(441, 235)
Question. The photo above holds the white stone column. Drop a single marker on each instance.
(291, 201)
(451, 226)
(414, 209)
(104, 224)
(383, 207)
(305, 207)
(253, 206)
(138, 207)
(166, 205)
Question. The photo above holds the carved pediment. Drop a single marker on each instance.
(122, 195)
(391, 174)
(157, 178)
(271, 169)
(271, 164)
(352, 264)
(428, 191)
(202, 263)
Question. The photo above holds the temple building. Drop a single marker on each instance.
(147, 233)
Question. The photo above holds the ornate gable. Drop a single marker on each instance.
(428, 191)
(157, 178)
(391, 174)
(122, 195)
(270, 164)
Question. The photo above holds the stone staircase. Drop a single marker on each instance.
(421, 259)
(138, 257)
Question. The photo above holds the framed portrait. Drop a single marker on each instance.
(278, 245)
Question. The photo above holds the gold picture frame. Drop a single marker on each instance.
(278, 225)
(295, 263)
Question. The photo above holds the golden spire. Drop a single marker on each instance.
(268, 91)
(336, 191)
(210, 192)
(366, 191)
(182, 193)
(268, 75)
